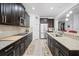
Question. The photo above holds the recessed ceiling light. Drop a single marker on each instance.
(67, 15)
(66, 19)
(33, 8)
(70, 12)
(51, 8)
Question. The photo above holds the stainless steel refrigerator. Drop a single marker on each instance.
(44, 29)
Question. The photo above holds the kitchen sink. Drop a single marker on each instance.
(57, 35)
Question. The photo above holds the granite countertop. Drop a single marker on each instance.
(69, 43)
(9, 40)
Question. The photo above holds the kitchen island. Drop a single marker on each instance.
(63, 45)
(15, 45)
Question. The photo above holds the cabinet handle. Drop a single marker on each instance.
(2, 19)
(9, 48)
(57, 44)
(5, 19)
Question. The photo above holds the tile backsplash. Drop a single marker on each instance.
(6, 30)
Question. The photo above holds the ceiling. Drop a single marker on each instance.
(74, 9)
(43, 9)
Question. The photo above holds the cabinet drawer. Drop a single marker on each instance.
(8, 51)
(62, 49)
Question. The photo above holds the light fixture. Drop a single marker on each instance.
(67, 15)
(33, 8)
(70, 12)
(66, 19)
(51, 8)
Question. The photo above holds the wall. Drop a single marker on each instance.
(69, 22)
(76, 22)
(56, 24)
(73, 22)
(34, 25)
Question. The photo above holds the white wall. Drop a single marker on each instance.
(73, 22)
(34, 25)
(56, 24)
(69, 23)
(76, 22)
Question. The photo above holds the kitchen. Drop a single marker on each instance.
(26, 28)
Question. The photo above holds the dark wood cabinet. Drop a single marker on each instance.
(51, 45)
(61, 50)
(17, 48)
(8, 51)
(0, 19)
(50, 22)
(11, 13)
(7, 8)
(22, 46)
(28, 40)
(27, 20)
(57, 49)
(43, 20)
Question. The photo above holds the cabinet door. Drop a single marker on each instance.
(26, 41)
(8, 51)
(8, 9)
(2, 13)
(27, 20)
(0, 19)
(8, 20)
(48, 40)
(22, 46)
(50, 22)
(13, 9)
(16, 21)
(2, 9)
(16, 9)
(17, 48)
(11, 13)
(8, 13)
(20, 10)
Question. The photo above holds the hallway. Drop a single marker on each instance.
(38, 48)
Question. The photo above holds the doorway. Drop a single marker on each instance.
(61, 26)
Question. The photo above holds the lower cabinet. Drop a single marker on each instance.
(22, 46)
(51, 45)
(57, 49)
(8, 51)
(61, 50)
(17, 48)
(28, 40)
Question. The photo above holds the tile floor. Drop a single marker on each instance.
(38, 48)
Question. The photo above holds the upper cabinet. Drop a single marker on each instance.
(12, 13)
(12, 8)
(7, 9)
(27, 21)
(50, 22)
